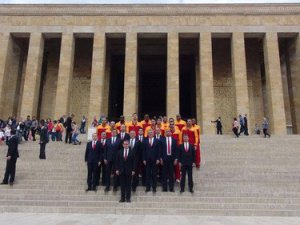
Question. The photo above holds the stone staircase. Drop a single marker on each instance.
(248, 176)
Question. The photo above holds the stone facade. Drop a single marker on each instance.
(240, 67)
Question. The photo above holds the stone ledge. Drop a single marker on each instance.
(147, 10)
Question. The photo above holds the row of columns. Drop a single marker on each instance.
(205, 97)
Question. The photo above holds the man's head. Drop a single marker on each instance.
(171, 120)
(126, 144)
(123, 128)
(114, 132)
(141, 132)
(132, 134)
(104, 121)
(158, 122)
(157, 131)
(122, 118)
(134, 117)
(153, 122)
(185, 138)
(150, 133)
(103, 135)
(178, 117)
(189, 122)
(94, 136)
(194, 121)
(168, 133)
(146, 117)
(165, 119)
(112, 124)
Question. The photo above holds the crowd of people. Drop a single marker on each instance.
(143, 153)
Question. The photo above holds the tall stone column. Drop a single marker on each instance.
(5, 46)
(295, 78)
(173, 75)
(239, 71)
(130, 78)
(32, 81)
(65, 73)
(205, 98)
(274, 84)
(97, 77)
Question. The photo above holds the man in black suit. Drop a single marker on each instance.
(104, 144)
(93, 159)
(136, 147)
(125, 169)
(142, 168)
(158, 136)
(69, 129)
(168, 161)
(110, 155)
(151, 157)
(186, 158)
(11, 158)
(123, 135)
(44, 139)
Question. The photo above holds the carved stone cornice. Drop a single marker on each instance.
(147, 9)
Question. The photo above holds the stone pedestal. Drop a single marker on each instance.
(65, 74)
(205, 102)
(173, 75)
(130, 77)
(97, 77)
(32, 82)
(274, 84)
(239, 72)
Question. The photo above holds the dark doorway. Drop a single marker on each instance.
(152, 65)
(116, 62)
(187, 76)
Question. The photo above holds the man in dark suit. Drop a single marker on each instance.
(69, 129)
(136, 147)
(11, 159)
(123, 135)
(44, 139)
(125, 169)
(158, 136)
(142, 168)
(93, 159)
(168, 161)
(186, 158)
(104, 144)
(110, 155)
(151, 157)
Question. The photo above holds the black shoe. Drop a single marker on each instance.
(181, 190)
(122, 200)
(4, 183)
(107, 189)
(192, 191)
(115, 189)
(89, 189)
(94, 189)
(147, 190)
(128, 200)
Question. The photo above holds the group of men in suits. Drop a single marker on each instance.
(126, 152)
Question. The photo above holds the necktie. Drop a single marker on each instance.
(141, 138)
(186, 147)
(122, 135)
(169, 147)
(94, 145)
(113, 140)
(131, 143)
(103, 142)
(125, 154)
(151, 142)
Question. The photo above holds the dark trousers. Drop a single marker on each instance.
(108, 173)
(242, 129)
(42, 151)
(125, 180)
(219, 130)
(135, 178)
(235, 131)
(168, 174)
(10, 171)
(82, 128)
(266, 132)
(246, 131)
(151, 174)
(101, 172)
(68, 137)
(189, 171)
(91, 177)
(33, 131)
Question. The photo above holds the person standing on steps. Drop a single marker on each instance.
(11, 159)
(235, 127)
(93, 159)
(186, 158)
(68, 138)
(265, 126)
(125, 169)
(219, 126)
(44, 139)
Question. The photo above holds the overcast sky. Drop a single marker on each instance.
(141, 1)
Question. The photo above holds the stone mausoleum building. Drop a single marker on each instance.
(202, 61)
